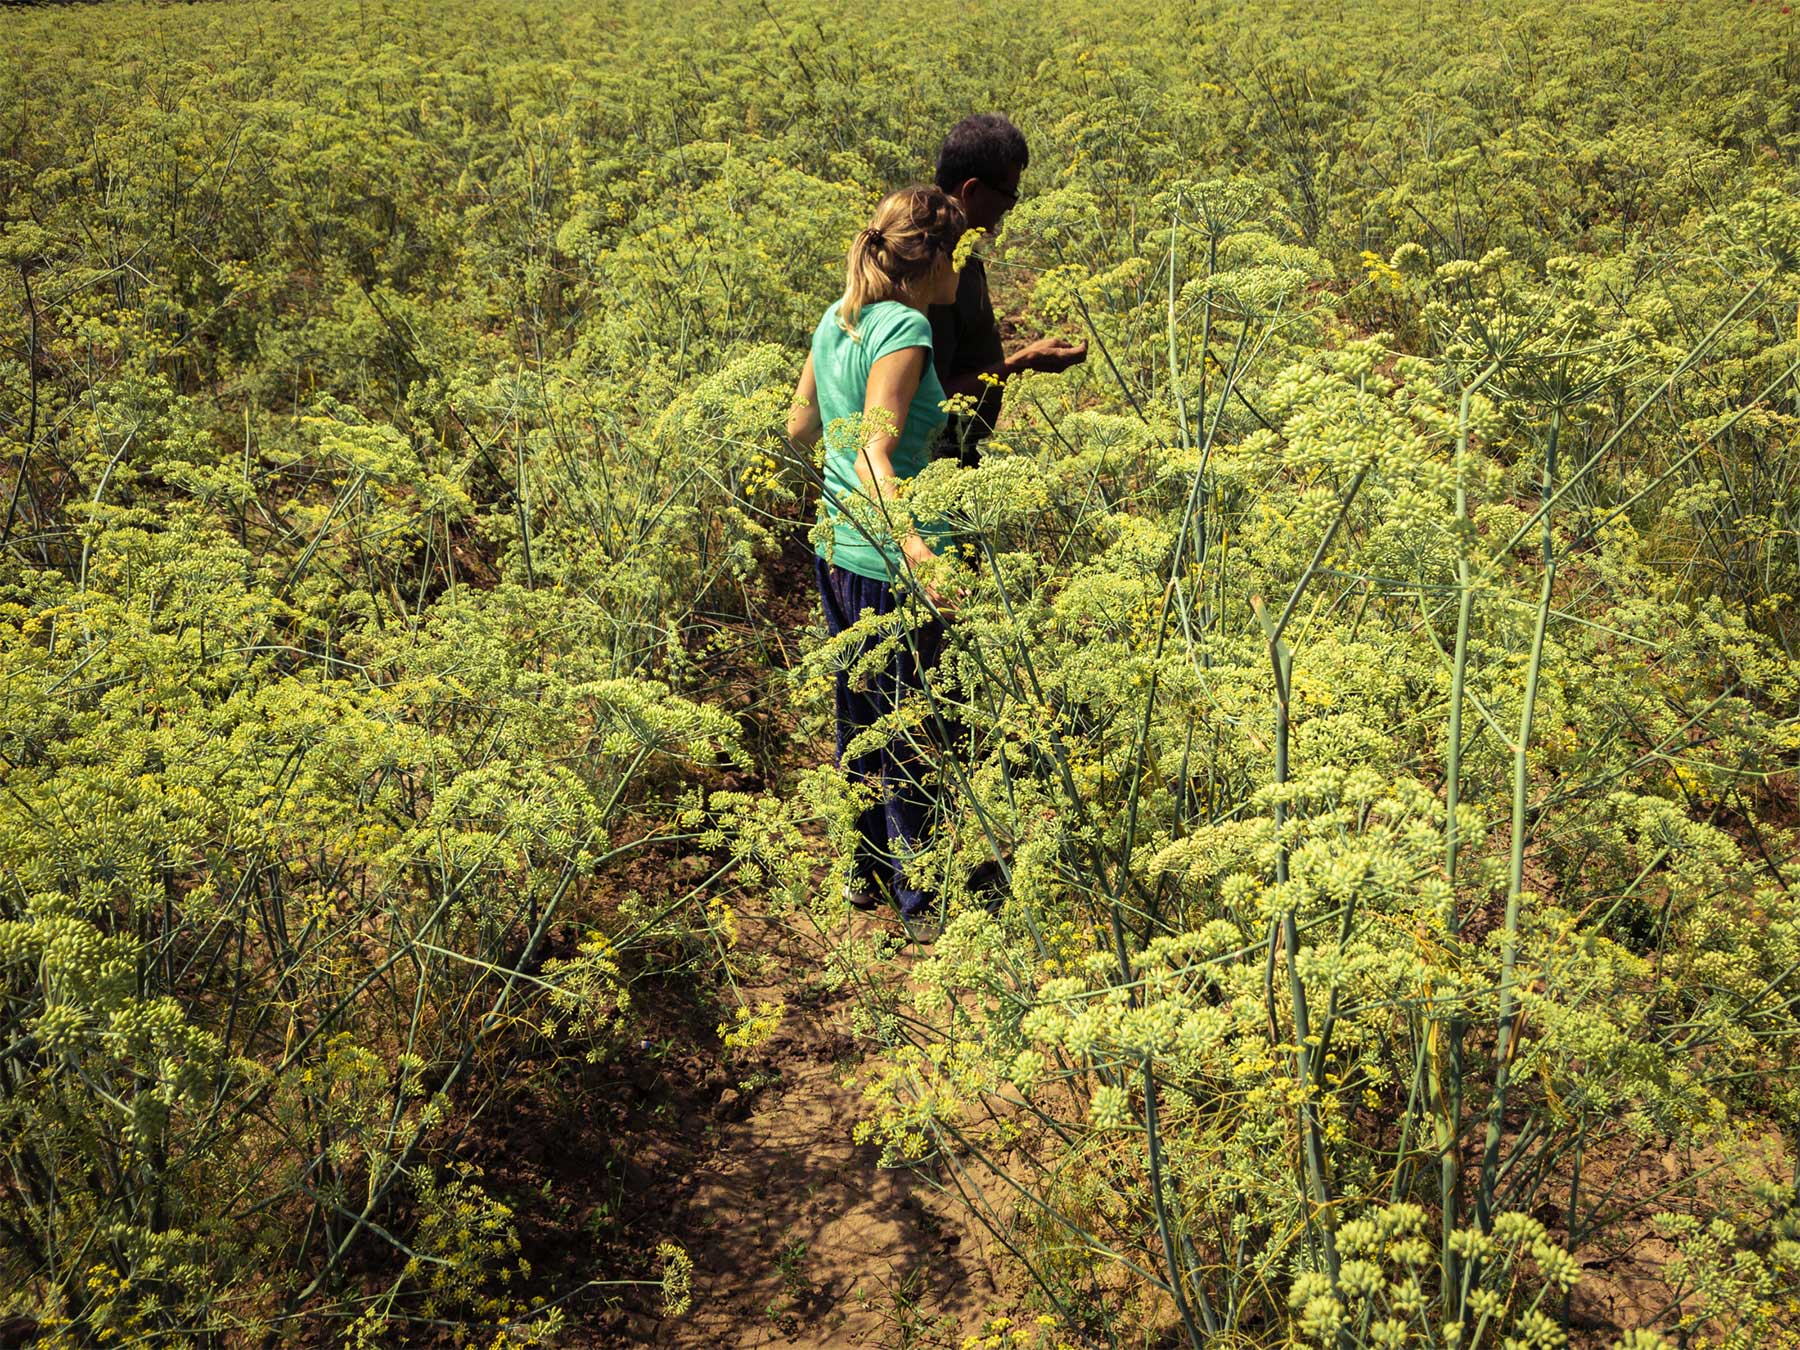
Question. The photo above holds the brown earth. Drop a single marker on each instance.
(798, 1235)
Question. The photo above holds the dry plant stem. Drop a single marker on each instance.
(1509, 952)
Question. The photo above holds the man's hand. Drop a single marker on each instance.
(1049, 355)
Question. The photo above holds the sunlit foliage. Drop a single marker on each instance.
(1376, 665)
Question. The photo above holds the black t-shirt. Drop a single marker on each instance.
(965, 337)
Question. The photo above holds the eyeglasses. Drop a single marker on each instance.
(1011, 198)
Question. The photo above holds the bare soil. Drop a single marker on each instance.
(799, 1237)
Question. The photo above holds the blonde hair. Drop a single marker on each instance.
(911, 227)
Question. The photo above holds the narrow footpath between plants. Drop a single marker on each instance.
(798, 1236)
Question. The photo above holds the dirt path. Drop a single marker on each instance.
(799, 1236)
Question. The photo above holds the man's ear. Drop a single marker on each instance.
(967, 190)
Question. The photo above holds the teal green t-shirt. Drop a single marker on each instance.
(841, 366)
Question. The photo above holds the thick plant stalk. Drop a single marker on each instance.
(1174, 364)
(1285, 931)
(524, 513)
(1447, 1079)
(1460, 662)
(1154, 1138)
(1143, 738)
(1504, 1045)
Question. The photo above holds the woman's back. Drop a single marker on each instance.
(841, 365)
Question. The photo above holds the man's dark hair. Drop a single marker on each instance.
(986, 146)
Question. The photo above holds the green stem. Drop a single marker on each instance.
(1287, 931)
(1447, 1082)
(1504, 1044)
(1176, 1278)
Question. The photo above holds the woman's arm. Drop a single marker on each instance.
(804, 427)
(893, 382)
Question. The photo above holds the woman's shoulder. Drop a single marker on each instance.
(893, 325)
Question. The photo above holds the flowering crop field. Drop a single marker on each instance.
(1376, 674)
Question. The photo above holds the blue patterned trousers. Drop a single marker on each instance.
(892, 827)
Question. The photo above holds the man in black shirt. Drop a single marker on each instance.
(979, 165)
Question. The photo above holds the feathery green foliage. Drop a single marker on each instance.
(1377, 668)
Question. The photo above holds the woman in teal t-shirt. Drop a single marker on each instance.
(869, 390)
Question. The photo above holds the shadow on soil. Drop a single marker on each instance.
(797, 1235)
